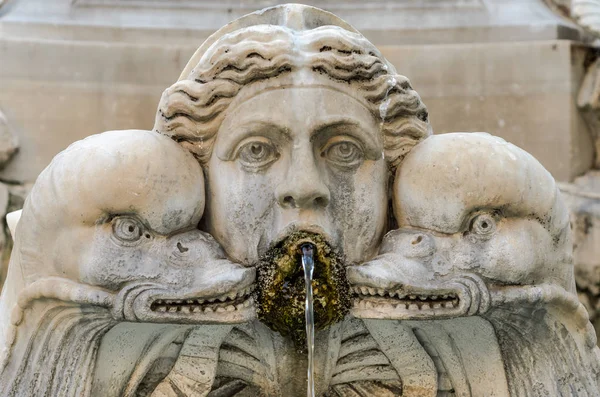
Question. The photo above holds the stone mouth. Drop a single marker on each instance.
(150, 302)
(301, 229)
(369, 302)
(282, 290)
(364, 296)
(231, 302)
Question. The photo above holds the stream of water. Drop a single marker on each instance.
(308, 264)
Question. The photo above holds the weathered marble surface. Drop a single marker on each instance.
(136, 250)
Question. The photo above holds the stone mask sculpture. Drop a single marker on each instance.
(316, 162)
(293, 129)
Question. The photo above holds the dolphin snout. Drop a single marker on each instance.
(410, 244)
(372, 274)
(191, 247)
(419, 245)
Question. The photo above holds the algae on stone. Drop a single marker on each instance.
(281, 294)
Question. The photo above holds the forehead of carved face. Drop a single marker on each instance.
(298, 158)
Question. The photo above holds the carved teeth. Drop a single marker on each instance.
(364, 290)
(220, 310)
(172, 309)
(413, 306)
(413, 297)
(162, 309)
(208, 309)
(448, 305)
(230, 308)
(436, 305)
(196, 309)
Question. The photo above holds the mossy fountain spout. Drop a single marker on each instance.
(282, 293)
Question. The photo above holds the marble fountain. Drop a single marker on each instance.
(292, 160)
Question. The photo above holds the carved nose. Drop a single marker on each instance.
(419, 245)
(304, 199)
(303, 190)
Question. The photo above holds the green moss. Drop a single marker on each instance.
(281, 293)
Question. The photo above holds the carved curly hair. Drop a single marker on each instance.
(191, 110)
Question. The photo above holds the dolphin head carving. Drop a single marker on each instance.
(113, 221)
(473, 211)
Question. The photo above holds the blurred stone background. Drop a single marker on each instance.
(526, 70)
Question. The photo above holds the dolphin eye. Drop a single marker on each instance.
(127, 229)
(483, 224)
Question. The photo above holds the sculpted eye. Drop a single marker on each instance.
(127, 229)
(343, 152)
(257, 153)
(483, 224)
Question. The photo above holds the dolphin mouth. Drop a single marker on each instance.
(459, 296)
(150, 302)
(231, 302)
(406, 304)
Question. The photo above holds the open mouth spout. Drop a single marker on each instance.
(282, 289)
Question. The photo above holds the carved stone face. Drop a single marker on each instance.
(300, 158)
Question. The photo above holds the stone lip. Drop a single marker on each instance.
(281, 287)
